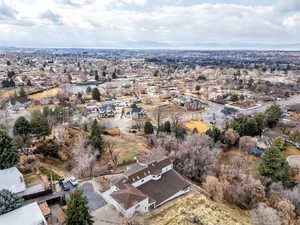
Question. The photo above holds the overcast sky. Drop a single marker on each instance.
(113, 23)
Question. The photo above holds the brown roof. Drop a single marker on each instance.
(45, 209)
(160, 190)
(60, 215)
(128, 197)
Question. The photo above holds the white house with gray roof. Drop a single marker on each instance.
(12, 179)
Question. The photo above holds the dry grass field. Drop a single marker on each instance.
(45, 94)
(128, 146)
(185, 209)
(199, 125)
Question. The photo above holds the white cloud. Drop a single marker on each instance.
(94, 23)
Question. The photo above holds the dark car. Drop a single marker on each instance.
(64, 185)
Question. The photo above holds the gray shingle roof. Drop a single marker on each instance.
(12, 180)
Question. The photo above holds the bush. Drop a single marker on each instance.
(9, 201)
(50, 173)
(264, 215)
(148, 128)
(275, 166)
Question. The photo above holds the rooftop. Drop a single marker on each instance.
(12, 180)
(27, 215)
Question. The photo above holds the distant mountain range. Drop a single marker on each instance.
(183, 45)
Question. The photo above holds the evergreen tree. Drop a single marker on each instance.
(39, 124)
(22, 92)
(22, 127)
(88, 90)
(9, 201)
(214, 133)
(279, 142)
(180, 132)
(114, 75)
(167, 127)
(148, 128)
(273, 113)
(260, 122)
(275, 166)
(8, 153)
(96, 94)
(250, 127)
(96, 77)
(195, 131)
(29, 83)
(96, 139)
(77, 210)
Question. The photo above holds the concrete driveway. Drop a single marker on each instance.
(95, 199)
(107, 215)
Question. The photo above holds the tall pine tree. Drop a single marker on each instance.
(8, 153)
(78, 211)
(96, 139)
(22, 127)
(275, 166)
(9, 201)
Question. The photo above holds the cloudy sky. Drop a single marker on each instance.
(118, 23)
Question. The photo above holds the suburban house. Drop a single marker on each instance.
(136, 113)
(147, 184)
(18, 103)
(107, 111)
(12, 179)
(30, 214)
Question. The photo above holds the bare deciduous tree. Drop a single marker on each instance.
(83, 157)
(157, 114)
(110, 148)
(231, 136)
(197, 157)
(264, 215)
(214, 187)
(246, 143)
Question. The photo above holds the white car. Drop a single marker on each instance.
(73, 181)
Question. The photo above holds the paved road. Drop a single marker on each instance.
(214, 114)
(258, 109)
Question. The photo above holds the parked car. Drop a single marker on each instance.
(64, 185)
(73, 181)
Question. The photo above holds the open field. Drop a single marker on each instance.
(291, 150)
(127, 146)
(183, 210)
(49, 93)
(56, 166)
(6, 94)
(201, 127)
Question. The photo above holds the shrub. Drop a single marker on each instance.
(50, 173)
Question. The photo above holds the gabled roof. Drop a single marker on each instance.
(27, 215)
(21, 100)
(128, 197)
(12, 180)
(161, 190)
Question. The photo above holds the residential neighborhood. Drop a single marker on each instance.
(139, 112)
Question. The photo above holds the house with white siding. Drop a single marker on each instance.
(147, 184)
